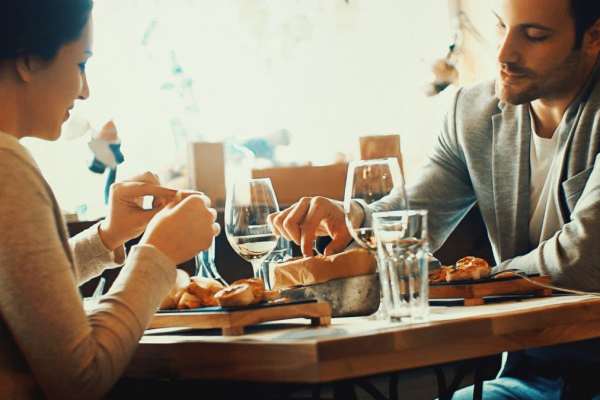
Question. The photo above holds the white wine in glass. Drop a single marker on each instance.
(254, 247)
(367, 182)
(247, 206)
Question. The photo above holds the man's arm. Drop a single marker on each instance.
(572, 255)
(443, 186)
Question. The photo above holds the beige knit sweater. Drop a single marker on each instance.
(48, 345)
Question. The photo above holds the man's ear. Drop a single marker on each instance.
(27, 66)
(591, 39)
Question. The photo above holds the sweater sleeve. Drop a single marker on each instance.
(443, 186)
(91, 256)
(71, 354)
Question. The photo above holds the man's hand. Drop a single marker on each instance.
(183, 228)
(126, 218)
(316, 216)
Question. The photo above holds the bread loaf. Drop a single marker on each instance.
(317, 269)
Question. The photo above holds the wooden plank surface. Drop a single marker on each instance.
(490, 287)
(353, 347)
(234, 321)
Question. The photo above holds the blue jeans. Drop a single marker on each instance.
(507, 387)
(541, 374)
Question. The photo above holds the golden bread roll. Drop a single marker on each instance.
(459, 275)
(505, 274)
(200, 292)
(189, 300)
(182, 280)
(477, 267)
(241, 294)
(439, 275)
(257, 285)
(467, 268)
(271, 295)
(317, 269)
(205, 289)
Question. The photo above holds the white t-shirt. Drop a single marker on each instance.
(544, 212)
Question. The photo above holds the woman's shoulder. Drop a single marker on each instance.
(18, 177)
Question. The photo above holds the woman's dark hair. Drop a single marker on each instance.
(40, 27)
(585, 13)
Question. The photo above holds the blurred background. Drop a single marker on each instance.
(296, 80)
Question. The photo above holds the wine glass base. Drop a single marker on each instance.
(379, 315)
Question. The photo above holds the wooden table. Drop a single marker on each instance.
(291, 351)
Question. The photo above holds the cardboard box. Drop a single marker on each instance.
(206, 166)
(381, 146)
(292, 183)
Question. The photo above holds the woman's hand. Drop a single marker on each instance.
(126, 218)
(183, 228)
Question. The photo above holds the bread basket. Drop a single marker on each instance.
(353, 296)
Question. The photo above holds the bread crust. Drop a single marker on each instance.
(318, 269)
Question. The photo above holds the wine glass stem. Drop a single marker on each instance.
(256, 265)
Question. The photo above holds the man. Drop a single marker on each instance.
(525, 148)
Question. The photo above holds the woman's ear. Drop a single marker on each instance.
(27, 66)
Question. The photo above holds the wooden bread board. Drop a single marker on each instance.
(473, 292)
(232, 321)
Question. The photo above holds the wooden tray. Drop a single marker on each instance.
(232, 321)
(473, 292)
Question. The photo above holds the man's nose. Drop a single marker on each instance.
(508, 48)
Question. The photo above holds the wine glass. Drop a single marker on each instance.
(367, 182)
(247, 205)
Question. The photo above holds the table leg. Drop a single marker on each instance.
(478, 380)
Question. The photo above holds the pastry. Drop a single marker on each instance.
(241, 294)
(200, 293)
(467, 268)
(257, 285)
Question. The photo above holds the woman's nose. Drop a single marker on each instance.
(85, 89)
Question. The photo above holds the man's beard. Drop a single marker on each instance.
(552, 84)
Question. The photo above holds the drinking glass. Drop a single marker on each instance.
(247, 205)
(369, 181)
(403, 251)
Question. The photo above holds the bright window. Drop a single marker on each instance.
(328, 71)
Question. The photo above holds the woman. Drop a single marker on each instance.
(48, 346)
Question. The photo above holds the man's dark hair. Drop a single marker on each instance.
(585, 13)
(40, 27)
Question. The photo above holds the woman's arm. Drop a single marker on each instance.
(91, 255)
(71, 355)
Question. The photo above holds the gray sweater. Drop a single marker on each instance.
(482, 157)
(48, 345)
